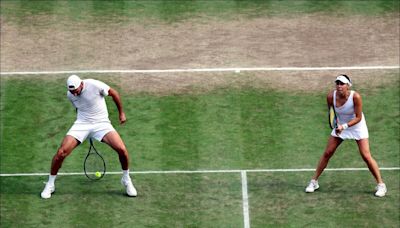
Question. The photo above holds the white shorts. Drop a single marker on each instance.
(81, 131)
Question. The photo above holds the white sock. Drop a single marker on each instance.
(52, 179)
(125, 174)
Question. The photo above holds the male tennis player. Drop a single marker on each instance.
(351, 125)
(88, 97)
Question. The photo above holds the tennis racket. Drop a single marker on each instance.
(94, 165)
(332, 117)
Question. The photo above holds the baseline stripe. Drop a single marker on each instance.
(200, 171)
(236, 69)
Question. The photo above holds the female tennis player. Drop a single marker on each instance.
(88, 97)
(351, 125)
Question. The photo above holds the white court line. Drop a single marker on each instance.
(245, 200)
(200, 171)
(236, 69)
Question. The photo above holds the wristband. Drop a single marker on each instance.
(345, 126)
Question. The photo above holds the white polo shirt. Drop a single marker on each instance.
(91, 104)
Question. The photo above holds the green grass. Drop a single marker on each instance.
(229, 128)
(195, 200)
(345, 199)
(202, 200)
(23, 11)
(224, 128)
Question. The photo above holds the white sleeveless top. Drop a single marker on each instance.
(345, 113)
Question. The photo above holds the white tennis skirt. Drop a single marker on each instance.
(356, 132)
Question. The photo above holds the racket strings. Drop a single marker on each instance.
(332, 118)
(94, 163)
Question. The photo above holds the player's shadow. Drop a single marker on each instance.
(80, 185)
(298, 188)
(65, 185)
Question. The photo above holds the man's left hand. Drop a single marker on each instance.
(122, 118)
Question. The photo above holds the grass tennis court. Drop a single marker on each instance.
(192, 136)
(219, 130)
(202, 200)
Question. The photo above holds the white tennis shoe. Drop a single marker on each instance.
(380, 190)
(47, 191)
(312, 186)
(130, 189)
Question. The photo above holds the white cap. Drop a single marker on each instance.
(343, 79)
(73, 82)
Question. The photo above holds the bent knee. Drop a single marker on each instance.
(122, 150)
(62, 153)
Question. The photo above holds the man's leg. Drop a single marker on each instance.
(67, 145)
(113, 139)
